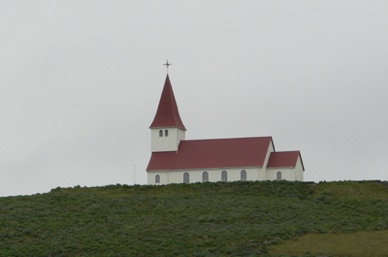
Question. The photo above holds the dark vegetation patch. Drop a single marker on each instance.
(204, 219)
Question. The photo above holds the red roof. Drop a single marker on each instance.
(213, 153)
(284, 159)
(167, 114)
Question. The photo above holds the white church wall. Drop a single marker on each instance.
(286, 174)
(232, 174)
(253, 174)
(166, 143)
(271, 149)
(299, 170)
(214, 175)
(177, 176)
(163, 178)
(263, 173)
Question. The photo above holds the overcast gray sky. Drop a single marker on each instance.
(80, 83)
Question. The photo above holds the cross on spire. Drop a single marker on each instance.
(167, 64)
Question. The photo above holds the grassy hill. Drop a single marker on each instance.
(204, 219)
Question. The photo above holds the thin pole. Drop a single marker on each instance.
(134, 174)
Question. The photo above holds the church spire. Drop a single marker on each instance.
(167, 114)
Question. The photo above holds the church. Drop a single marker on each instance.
(177, 160)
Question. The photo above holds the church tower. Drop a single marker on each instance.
(167, 129)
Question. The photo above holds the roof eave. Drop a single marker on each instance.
(164, 127)
(200, 169)
(282, 167)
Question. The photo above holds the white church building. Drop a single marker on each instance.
(177, 160)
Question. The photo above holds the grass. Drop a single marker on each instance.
(204, 219)
(358, 244)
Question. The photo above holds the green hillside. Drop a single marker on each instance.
(204, 219)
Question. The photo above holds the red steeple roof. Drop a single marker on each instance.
(167, 114)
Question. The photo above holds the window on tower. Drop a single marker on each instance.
(160, 133)
(166, 133)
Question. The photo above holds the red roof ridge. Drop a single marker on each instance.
(231, 138)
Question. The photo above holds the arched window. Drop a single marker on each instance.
(160, 133)
(243, 175)
(224, 176)
(166, 133)
(278, 175)
(186, 178)
(205, 176)
(157, 179)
